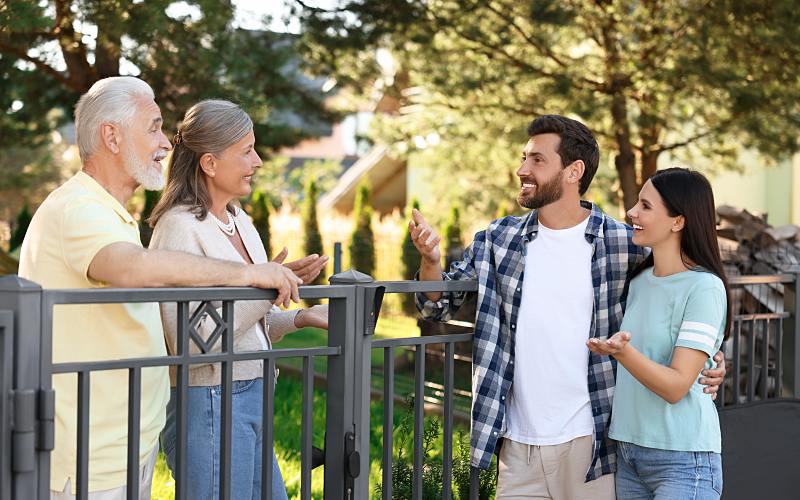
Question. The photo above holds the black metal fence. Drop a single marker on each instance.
(763, 352)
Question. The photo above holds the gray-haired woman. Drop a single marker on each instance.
(212, 165)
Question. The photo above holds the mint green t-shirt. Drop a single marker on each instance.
(687, 309)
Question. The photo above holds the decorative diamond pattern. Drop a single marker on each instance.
(204, 311)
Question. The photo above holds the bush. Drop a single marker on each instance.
(20, 228)
(432, 471)
(313, 238)
(410, 261)
(259, 211)
(362, 244)
(453, 244)
(150, 201)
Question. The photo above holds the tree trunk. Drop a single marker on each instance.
(649, 165)
(625, 159)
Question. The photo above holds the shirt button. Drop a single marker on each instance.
(513, 327)
(495, 433)
(519, 289)
(503, 398)
(511, 362)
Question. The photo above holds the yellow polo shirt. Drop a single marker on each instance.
(69, 228)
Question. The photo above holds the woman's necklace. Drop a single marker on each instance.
(228, 228)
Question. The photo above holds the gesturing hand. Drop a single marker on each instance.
(306, 268)
(611, 346)
(278, 276)
(316, 316)
(424, 238)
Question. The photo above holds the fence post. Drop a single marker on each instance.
(24, 470)
(357, 450)
(791, 339)
(337, 257)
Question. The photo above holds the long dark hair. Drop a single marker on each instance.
(209, 126)
(688, 193)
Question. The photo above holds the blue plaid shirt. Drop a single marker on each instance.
(496, 258)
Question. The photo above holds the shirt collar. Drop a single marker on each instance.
(88, 182)
(594, 227)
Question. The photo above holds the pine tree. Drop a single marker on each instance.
(313, 238)
(410, 260)
(453, 243)
(362, 244)
(259, 211)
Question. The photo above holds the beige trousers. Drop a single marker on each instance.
(555, 472)
(145, 485)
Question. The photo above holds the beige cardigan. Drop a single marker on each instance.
(179, 229)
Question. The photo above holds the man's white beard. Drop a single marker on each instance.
(149, 178)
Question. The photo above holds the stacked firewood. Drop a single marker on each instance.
(750, 245)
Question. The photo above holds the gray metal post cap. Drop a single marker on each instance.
(350, 277)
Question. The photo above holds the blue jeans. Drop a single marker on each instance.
(203, 452)
(649, 473)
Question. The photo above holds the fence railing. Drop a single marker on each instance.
(763, 351)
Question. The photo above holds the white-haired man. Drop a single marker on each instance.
(83, 237)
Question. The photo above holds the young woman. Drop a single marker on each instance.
(212, 165)
(677, 315)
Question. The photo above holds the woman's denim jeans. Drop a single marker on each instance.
(203, 453)
(649, 473)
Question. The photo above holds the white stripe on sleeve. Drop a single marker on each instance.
(696, 337)
(700, 327)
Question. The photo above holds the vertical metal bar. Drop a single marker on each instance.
(6, 387)
(474, 483)
(134, 416)
(268, 426)
(82, 474)
(419, 420)
(307, 413)
(337, 257)
(447, 445)
(181, 401)
(791, 304)
(339, 405)
(779, 359)
(31, 341)
(737, 361)
(751, 362)
(765, 326)
(226, 408)
(388, 420)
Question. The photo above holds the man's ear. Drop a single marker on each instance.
(680, 221)
(575, 171)
(208, 164)
(111, 136)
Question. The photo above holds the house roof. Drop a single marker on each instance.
(386, 176)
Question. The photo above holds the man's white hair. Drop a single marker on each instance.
(110, 100)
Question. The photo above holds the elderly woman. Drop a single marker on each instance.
(212, 165)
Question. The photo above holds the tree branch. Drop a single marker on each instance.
(41, 65)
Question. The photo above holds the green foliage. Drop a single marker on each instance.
(20, 228)
(453, 242)
(689, 81)
(362, 243)
(312, 243)
(150, 201)
(432, 471)
(410, 261)
(185, 56)
(259, 209)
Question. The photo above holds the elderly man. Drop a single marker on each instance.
(83, 237)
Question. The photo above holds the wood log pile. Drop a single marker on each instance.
(749, 245)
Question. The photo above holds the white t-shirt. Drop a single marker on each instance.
(549, 398)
